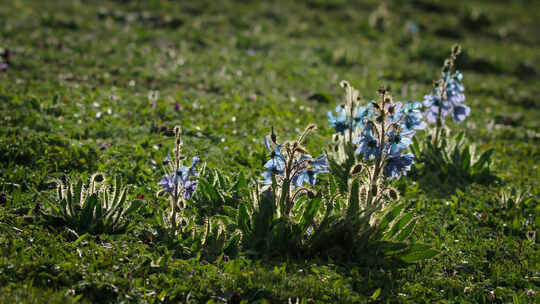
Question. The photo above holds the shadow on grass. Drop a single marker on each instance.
(436, 183)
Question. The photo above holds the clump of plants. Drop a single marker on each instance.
(97, 207)
(449, 157)
(284, 205)
(356, 213)
(178, 183)
(363, 217)
(181, 228)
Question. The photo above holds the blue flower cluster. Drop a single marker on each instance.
(182, 177)
(402, 122)
(450, 102)
(304, 168)
(343, 121)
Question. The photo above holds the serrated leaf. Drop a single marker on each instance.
(406, 231)
(483, 160)
(87, 213)
(398, 226)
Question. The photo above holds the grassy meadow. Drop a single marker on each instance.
(98, 86)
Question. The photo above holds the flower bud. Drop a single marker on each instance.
(301, 149)
(393, 194)
(311, 127)
(356, 169)
(273, 136)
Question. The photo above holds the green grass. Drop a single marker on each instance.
(74, 101)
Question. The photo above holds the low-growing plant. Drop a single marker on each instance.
(99, 207)
(188, 232)
(216, 236)
(453, 160)
(518, 207)
(219, 193)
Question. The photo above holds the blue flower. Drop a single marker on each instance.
(184, 173)
(413, 118)
(189, 188)
(276, 164)
(339, 122)
(309, 168)
(433, 103)
(397, 143)
(455, 89)
(305, 168)
(460, 112)
(168, 182)
(395, 111)
(398, 165)
(362, 113)
(182, 176)
(453, 103)
(367, 145)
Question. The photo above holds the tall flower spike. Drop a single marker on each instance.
(179, 181)
(448, 94)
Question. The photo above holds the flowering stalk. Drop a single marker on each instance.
(289, 168)
(447, 97)
(178, 182)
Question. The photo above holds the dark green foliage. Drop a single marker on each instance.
(365, 235)
(454, 163)
(341, 171)
(219, 193)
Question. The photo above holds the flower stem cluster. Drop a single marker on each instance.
(447, 97)
(381, 143)
(289, 167)
(179, 181)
